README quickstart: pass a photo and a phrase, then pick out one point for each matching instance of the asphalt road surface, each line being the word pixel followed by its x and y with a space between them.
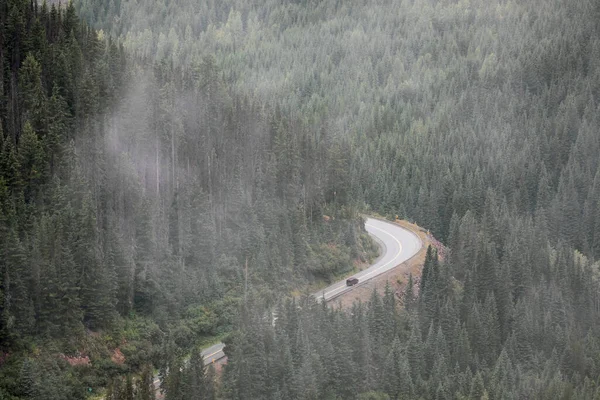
pixel 213 353
pixel 398 244
pixel 210 355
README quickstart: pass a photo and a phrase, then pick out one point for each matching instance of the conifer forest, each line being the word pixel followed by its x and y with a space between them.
pixel 175 174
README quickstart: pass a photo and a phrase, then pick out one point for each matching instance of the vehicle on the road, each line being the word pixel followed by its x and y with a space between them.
pixel 351 281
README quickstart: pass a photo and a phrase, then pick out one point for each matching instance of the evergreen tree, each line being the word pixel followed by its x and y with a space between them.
pixel 31 162
pixel 96 282
pixel 409 294
pixel 195 377
pixel 477 387
pixel 146 389
pixel 34 101
pixel 415 353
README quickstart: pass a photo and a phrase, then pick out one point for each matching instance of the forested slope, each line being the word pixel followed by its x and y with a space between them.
pixel 231 127
pixel 139 203
pixel 441 100
pixel 477 119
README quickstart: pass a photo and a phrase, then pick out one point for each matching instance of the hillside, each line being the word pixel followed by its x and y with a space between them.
pixel 140 203
pixel 165 174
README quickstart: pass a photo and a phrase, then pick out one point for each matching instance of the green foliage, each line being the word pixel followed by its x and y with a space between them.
pixel 146 194
pixel 373 396
pixel 331 260
pixel 95 239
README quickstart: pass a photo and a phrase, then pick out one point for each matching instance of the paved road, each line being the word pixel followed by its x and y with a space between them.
pixel 210 354
pixel 398 245
pixel 213 353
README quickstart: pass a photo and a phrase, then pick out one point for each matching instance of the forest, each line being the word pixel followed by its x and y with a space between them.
pixel 166 166
pixel 140 203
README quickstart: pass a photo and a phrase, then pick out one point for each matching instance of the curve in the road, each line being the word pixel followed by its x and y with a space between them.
pixel 399 245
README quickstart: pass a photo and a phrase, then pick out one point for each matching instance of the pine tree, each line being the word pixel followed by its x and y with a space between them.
pixel 18 311
pixel 175 382
pixel 174 228
pixel 144 242
pixel 96 282
pixel 58 127
pixel 486 270
pixel 449 323
pixel 10 168
pixel 39 45
pixel 477 387
pixel 409 295
pixel 31 162
pixel 195 377
pixel 414 352
pixel 29 380
pixel 503 297
pixel 127 391
pixel 60 310
pixel 391 314
pixel 211 379
pixel 426 273
pixel 430 294
pixel 503 377
pixel 33 98
pixel 146 389
pixel 429 350
pixel 391 375
pixel 376 318
pixel 70 22
pixel 491 327
pixel 463 349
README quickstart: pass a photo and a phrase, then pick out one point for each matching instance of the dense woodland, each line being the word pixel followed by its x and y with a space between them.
pixel 448 106
pixel 140 203
pixel 148 167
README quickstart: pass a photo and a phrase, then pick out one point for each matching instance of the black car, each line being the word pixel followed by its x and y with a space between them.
pixel 351 281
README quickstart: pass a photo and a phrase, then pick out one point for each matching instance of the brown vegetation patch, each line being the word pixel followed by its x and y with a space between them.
pixel 118 357
pixel 78 360
pixel 219 364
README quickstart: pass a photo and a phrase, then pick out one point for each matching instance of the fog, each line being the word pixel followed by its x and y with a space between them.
pixel 179 180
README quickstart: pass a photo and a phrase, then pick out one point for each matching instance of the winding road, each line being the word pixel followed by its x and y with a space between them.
pixel 397 245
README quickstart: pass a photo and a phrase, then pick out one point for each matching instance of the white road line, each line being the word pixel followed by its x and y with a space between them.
pixel 210 355
pixel 393 259
pixel 157 380
pixel 375 270
pixel 333 291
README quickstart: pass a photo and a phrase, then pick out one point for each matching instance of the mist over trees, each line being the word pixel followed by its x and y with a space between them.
pixel 442 100
pixel 143 200
pixel 147 167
